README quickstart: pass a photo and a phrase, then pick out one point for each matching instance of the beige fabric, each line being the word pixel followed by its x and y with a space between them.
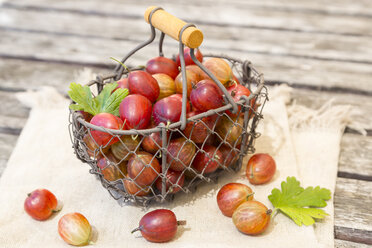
pixel 43 158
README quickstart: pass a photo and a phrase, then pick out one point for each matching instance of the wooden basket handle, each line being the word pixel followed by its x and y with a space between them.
pixel 171 25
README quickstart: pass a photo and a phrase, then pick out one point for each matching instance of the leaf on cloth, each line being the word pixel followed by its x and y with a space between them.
pixel 108 101
pixel 299 203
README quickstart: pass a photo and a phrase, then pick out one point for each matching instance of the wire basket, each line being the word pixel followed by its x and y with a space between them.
pixel 157 163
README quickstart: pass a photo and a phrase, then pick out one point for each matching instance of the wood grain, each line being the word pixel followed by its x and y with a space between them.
pixel 353 203
pixel 59 47
pixel 360 105
pixel 20 74
pixel 172 26
pixel 348 244
pixel 241 15
pixel 277 42
pixel 13 114
pixel 355 156
pixel 7 144
pixel 354 235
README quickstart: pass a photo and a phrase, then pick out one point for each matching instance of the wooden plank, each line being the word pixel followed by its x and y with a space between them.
pixel 72 49
pixel 7 144
pixel 337 7
pixel 347 244
pixel 340 7
pixel 360 105
pixel 353 203
pixel 19 75
pixel 276 42
pixel 12 113
pixel 217 13
pixel 355 156
pixel 353 235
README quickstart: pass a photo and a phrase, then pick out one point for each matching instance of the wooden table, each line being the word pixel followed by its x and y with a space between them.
pixel 321 48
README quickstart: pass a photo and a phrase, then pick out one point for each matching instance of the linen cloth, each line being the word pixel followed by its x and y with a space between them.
pixel 43 158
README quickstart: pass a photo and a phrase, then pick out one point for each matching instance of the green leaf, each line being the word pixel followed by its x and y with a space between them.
pixel 303 215
pixel 82 96
pixel 102 98
pixel 113 102
pixel 106 102
pixel 297 202
pixel 76 107
pixel 313 197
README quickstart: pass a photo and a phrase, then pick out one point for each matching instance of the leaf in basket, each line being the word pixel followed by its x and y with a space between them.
pixel 108 101
pixel 298 203
pixel 82 96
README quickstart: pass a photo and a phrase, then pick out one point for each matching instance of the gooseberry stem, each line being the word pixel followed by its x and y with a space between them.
pixel 249 195
pixel 181 222
pixel 136 229
pixel 125 67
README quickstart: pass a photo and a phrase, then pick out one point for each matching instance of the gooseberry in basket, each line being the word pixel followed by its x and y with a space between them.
pixel 159 225
pixel 200 74
pixel 87 117
pixel 142 83
pixel 162 65
pixel 133 189
pixel 206 95
pixel 40 204
pixel 230 129
pixel 180 153
pixel 235 80
pixel 191 80
pixel 111 168
pixel 187 56
pixel 179 96
pixel 207 160
pixel 237 91
pixel 174 181
pixel 166 85
pixel 251 217
pixel 123 84
pixel 211 140
pixel 153 142
pixel 143 168
pixel 260 168
pixel 168 109
pixel 220 69
pixel 135 111
pixel 92 147
pixel 123 148
pixel 109 121
pixel 200 129
pixel 75 229
pixel 229 154
pixel 231 195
